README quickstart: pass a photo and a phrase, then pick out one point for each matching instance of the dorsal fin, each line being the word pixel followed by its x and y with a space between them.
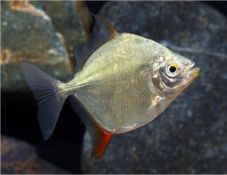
pixel 102 32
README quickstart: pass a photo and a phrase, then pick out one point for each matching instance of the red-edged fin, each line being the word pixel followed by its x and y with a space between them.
pixel 102 140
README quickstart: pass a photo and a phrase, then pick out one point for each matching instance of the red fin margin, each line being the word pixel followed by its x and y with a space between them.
pixel 102 140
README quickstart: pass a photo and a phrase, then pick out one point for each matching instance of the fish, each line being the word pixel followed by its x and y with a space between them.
pixel 123 81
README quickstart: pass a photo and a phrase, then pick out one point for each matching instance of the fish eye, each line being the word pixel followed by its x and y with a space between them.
pixel 172 70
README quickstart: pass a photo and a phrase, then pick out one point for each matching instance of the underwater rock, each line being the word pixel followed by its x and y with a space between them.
pixel 190 136
pixel 18 157
pixel 70 18
pixel 27 34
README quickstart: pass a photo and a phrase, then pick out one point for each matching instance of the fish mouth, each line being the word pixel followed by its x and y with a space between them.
pixel 190 75
pixel 193 72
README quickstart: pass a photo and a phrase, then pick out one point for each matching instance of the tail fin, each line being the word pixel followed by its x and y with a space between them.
pixel 50 100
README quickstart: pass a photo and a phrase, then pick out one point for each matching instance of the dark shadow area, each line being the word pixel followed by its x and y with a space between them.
pixel 95 6
pixel 63 149
pixel 220 6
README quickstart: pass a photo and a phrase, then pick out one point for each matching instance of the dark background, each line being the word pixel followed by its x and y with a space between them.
pixel 63 149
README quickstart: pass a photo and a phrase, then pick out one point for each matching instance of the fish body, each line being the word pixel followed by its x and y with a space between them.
pixel 116 91
pixel 125 83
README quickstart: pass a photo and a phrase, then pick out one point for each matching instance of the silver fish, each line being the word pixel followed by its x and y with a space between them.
pixel 124 82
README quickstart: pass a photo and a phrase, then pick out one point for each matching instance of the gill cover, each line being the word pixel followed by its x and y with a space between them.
pixel 171 73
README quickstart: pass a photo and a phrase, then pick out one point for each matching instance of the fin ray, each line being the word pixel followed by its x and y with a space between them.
pixel 99 137
pixel 102 32
pixel 102 141
pixel 45 91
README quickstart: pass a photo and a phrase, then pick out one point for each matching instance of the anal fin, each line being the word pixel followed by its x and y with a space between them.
pixel 100 137
pixel 102 140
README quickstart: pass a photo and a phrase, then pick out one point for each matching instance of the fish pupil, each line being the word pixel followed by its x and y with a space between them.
pixel 172 69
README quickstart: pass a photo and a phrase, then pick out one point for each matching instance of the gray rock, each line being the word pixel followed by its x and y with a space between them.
pixel 27 34
pixel 68 18
pixel 18 157
pixel 190 136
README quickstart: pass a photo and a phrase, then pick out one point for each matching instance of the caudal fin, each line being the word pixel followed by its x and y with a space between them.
pixel 50 100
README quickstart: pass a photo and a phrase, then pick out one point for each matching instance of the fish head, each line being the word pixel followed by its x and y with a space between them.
pixel 171 74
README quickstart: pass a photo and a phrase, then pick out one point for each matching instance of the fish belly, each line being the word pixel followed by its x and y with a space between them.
pixel 118 106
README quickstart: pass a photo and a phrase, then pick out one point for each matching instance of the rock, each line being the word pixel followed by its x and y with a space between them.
pixel 18 157
pixel 190 136
pixel 70 18
pixel 28 35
